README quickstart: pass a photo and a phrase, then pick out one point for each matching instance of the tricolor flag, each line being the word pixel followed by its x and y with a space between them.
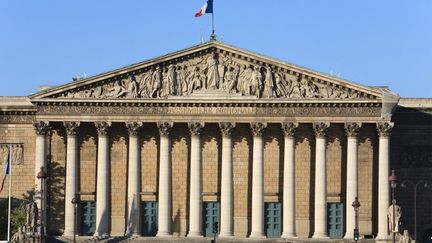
pixel 206 8
pixel 7 170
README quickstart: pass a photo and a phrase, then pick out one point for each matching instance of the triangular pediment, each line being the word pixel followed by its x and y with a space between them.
pixel 212 69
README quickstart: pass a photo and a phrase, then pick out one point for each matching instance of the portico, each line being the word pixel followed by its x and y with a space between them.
pixel 254 148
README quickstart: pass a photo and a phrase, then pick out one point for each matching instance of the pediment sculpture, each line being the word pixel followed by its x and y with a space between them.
pixel 213 71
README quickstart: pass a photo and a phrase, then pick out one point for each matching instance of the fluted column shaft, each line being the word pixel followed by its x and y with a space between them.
pixel 134 180
pixel 41 130
pixel 72 176
pixel 164 210
pixel 257 181
pixel 289 230
pixel 195 195
pixel 320 218
pixel 226 222
pixel 384 130
pixel 102 182
pixel 352 176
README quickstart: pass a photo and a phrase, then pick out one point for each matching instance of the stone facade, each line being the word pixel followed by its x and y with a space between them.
pixel 194 91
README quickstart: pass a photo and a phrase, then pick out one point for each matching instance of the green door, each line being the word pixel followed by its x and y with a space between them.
pixel 335 220
pixel 210 216
pixel 149 211
pixel 88 217
pixel 273 220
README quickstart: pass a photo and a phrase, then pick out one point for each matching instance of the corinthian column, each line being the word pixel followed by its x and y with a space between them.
pixel 226 222
pixel 352 130
pixel 72 175
pixel 195 198
pixel 257 129
pixel 320 219
pixel 102 183
pixel 384 130
pixel 164 210
pixel 41 130
pixel 134 179
pixel 289 230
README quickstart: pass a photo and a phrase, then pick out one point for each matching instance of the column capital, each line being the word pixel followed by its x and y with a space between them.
pixel 195 128
pixel 41 127
pixel 258 128
pixel 133 127
pixel 352 128
pixel 71 127
pixel 227 128
pixel 320 128
pixel 384 128
pixel 289 128
pixel 102 127
pixel 164 127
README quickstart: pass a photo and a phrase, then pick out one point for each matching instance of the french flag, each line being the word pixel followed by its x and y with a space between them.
pixel 206 8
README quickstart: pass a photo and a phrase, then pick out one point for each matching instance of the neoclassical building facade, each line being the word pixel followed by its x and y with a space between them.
pixel 213 133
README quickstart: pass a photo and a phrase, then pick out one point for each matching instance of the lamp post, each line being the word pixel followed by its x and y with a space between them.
pixel 393 184
pixel 75 203
pixel 406 184
pixel 42 175
pixel 356 205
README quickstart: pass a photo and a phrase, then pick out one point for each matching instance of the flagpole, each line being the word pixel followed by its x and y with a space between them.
pixel 10 189
pixel 213 35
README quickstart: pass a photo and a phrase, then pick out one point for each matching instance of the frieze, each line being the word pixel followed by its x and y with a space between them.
pixel 17 153
pixel 16 119
pixel 297 111
pixel 213 71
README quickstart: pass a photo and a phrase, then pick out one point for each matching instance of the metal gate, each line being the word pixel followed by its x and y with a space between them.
pixel 273 220
pixel 149 219
pixel 88 217
pixel 211 216
pixel 335 220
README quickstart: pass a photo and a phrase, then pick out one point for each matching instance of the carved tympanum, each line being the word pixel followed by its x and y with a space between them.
pixel 41 127
pixel 71 127
pixel 133 127
pixel 258 128
pixel 213 71
pixel 289 128
pixel 102 127
pixel 320 128
pixel 164 128
pixel 226 128
pixel 195 128
pixel 384 128
pixel 352 128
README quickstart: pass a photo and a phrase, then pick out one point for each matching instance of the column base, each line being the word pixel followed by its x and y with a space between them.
pixel 289 235
pixel 382 237
pixel 320 236
pixel 69 233
pixel 257 235
pixel 195 234
pixel 163 234
pixel 226 235
pixel 99 234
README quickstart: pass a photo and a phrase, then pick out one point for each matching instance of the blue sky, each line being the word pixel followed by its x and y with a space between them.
pixel 378 43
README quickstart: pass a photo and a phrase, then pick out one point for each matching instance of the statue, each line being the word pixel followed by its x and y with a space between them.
pixel 132 89
pixel 195 80
pixel 244 80
pixel 405 238
pixel 231 79
pixel 213 73
pixel 397 214
pixel 116 91
pixel 282 86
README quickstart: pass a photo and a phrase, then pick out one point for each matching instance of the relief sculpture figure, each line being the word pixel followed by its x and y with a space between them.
pixel 231 79
pixel 213 73
pixel 157 80
pixel 116 91
pixel 281 85
pixel 172 80
pixel 195 80
pixel 256 82
pixel 243 84
pixel 268 84
pixel 132 88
